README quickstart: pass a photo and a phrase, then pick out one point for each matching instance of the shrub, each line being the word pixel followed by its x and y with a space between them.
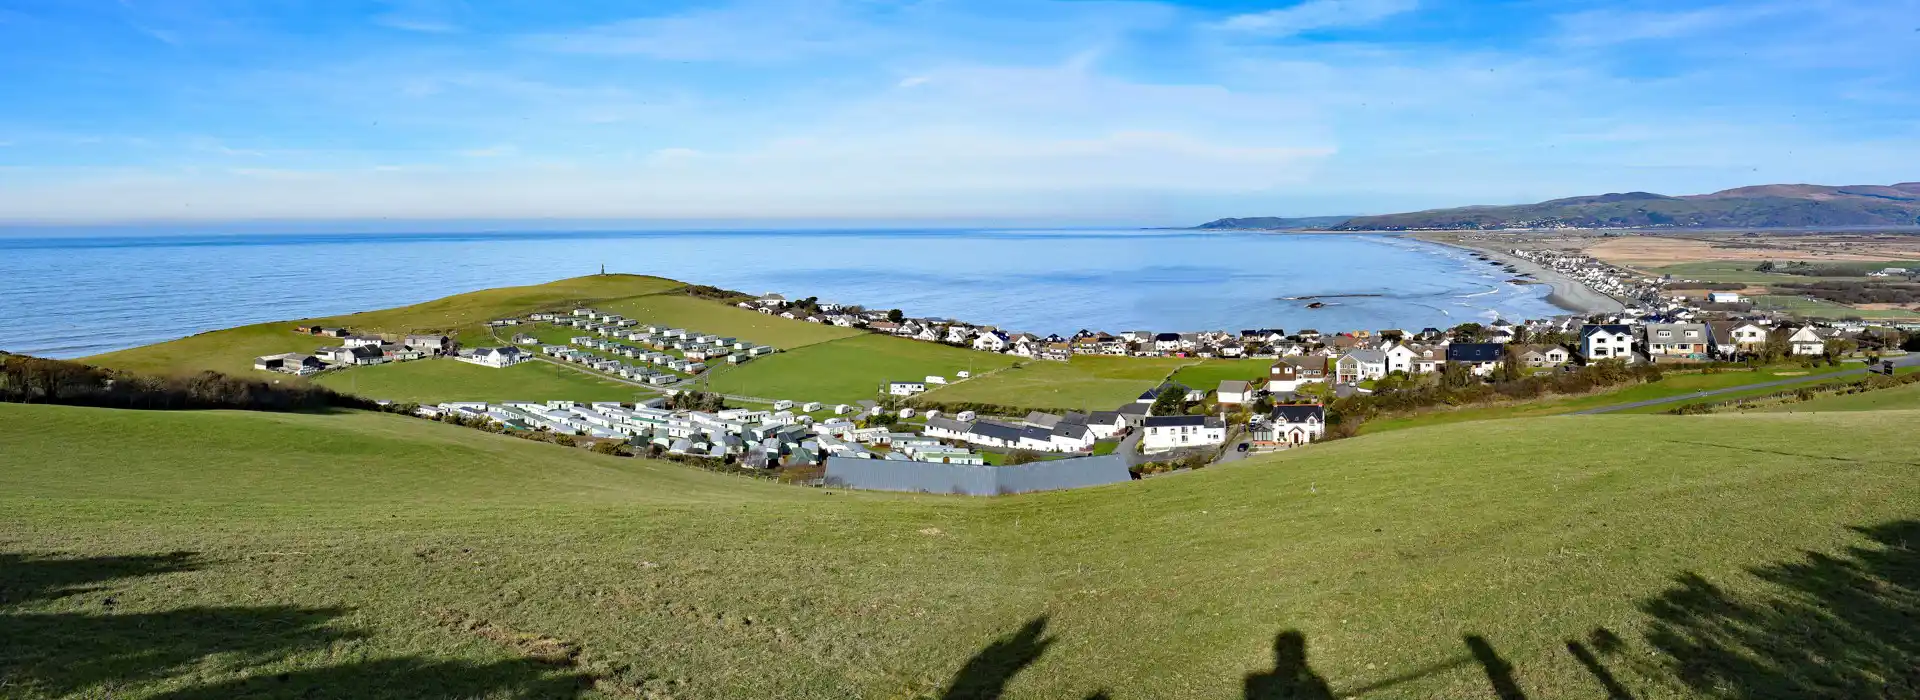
pixel 1021 457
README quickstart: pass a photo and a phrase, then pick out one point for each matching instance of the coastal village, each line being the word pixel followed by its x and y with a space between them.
pixel 1288 408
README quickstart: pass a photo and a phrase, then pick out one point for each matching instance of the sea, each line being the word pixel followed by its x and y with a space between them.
pixel 72 295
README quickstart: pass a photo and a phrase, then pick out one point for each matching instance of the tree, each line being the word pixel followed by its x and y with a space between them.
pixel 1469 333
pixel 896 315
pixel 1170 402
pixel 1764 267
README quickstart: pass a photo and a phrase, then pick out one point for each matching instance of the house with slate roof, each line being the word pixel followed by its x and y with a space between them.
pixel 1481 358
pixel 1289 426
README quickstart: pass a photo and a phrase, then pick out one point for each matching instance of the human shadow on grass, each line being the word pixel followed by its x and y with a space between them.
pixel 986 675
pixel 90 645
pixel 1819 626
pixel 1291 677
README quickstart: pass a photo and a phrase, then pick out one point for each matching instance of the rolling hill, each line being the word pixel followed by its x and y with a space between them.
pixel 230 554
pixel 1761 206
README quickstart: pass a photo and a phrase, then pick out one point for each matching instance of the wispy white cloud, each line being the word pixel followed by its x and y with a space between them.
pixel 1617 26
pixel 422 16
pixel 417 24
pixel 496 151
pixel 758 31
pixel 1318 14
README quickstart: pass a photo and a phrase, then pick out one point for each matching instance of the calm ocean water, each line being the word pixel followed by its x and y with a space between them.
pixel 70 296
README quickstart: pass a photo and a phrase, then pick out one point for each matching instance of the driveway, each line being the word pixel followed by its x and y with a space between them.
pixel 1909 360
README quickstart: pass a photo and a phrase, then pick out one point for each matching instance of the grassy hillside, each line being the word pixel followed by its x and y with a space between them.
pixel 232 350
pixel 1898 398
pixel 1086 383
pixel 1675 384
pixel 434 381
pixel 720 319
pixel 850 369
pixel 203 555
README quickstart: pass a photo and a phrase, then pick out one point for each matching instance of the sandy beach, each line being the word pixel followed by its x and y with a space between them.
pixel 1568 293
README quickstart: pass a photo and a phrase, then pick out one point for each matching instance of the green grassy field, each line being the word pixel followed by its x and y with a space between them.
pixel 1207 374
pixel 720 319
pixel 849 369
pixel 464 315
pixel 1819 308
pixel 1740 271
pixel 1898 398
pixel 1088 382
pixel 435 381
pixel 1671 385
pixel 220 554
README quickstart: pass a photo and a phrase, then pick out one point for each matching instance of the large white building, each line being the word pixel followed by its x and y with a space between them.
pixel 494 357
pixel 1163 433
pixel 1606 342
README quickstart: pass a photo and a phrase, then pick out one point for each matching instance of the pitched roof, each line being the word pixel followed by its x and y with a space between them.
pixel 1045 420
pixel 1000 431
pixel 949 424
pixel 1180 421
pixel 1365 355
pixel 1475 352
pixel 1070 430
pixel 1233 386
pixel 1300 413
pixel 1103 417
pixel 1613 328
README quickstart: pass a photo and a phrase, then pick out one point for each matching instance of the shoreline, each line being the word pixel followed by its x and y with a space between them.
pixel 1568 293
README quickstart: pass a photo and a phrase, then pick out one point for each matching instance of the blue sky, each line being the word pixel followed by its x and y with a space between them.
pixel 1079 112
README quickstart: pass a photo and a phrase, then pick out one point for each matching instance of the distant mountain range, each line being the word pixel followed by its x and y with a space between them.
pixel 1760 206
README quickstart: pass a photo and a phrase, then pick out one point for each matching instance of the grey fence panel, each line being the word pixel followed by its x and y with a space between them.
pixel 972 480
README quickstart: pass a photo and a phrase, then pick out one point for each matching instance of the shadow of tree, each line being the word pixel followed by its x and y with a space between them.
pixel 100 651
pixel 25 579
pixel 1824 626
pixel 985 676
pixel 1499 671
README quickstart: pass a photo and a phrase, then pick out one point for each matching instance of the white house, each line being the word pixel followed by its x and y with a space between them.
pixel 1401 358
pixel 990 341
pixel 1234 392
pixel 1806 341
pixel 1291 425
pixel 1606 342
pixel 1360 365
pixel 1677 340
pixel 1173 432
pixel 1723 297
pixel 494 357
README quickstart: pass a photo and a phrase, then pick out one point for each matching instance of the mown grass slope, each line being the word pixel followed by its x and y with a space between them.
pixel 708 316
pixel 1087 382
pixel 439 380
pixel 1675 384
pixel 1897 398
pixel 358 555
pixel 850 369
